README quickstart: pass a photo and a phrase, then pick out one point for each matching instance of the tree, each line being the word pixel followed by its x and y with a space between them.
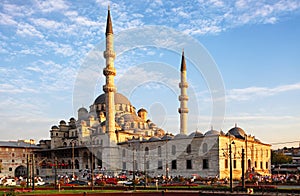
pixel 280 158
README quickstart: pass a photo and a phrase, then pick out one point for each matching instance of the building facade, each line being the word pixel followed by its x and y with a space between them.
pixel 113 137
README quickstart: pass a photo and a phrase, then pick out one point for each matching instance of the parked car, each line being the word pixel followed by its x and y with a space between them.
pixel 76 183
pixel 113 181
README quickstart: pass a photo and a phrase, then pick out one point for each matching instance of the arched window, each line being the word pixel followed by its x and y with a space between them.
pixel 204 148
pixel 159 151
pixel 69 164
pixel 76 164
pixel 123 153
pixel 189 149
pixel 173 149
pixel 146 151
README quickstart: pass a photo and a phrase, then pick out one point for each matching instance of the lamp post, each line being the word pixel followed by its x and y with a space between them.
pixel 27 164
pixel 230 166
pixel 73 160
pixel 243 168
pixel 92 164
pixel 145 170
pixel 133 163
pixel 55 173
pixel 167 167
pixel 32 180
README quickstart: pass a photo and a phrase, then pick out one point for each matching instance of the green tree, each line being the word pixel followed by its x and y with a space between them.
pixel 280 158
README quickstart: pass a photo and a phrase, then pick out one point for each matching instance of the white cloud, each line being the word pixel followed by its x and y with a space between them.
pixel 25 29
pixel 255 92
pixel 45 23
pixel 7 20
pixel 51 5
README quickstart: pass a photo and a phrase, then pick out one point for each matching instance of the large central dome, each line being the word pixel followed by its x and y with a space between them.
pixel 119 99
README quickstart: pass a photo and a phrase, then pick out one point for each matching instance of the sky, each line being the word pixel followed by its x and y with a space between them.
pixel 243 63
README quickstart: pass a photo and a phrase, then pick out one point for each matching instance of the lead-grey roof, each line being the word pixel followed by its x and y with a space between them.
pixel 17 144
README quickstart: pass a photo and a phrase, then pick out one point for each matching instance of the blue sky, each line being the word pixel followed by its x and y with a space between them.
pixel 255 46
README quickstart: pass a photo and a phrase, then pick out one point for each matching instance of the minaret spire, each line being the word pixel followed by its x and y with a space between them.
pixel 183 65
pixel 109 88
pixel 109 29
pixel 183 98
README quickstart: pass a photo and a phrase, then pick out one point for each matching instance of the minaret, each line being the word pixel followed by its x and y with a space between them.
pixel 183 98
pixel 109 88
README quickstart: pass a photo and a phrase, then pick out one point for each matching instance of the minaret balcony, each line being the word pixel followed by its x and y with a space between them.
pixel 183 85
pixel 109 88
pixel 109 54
pixel 183 98
pixel 183 110
pixel 109 71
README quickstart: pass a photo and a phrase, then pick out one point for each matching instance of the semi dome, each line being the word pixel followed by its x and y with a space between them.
pixel 119 99
pixel 154 138
pixel 131 118
pixel 167 137
pixel 237 132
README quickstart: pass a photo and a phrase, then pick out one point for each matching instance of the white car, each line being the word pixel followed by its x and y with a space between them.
pixel 9 182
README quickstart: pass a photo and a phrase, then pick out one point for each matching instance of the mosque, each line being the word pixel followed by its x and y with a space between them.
pixel 113 137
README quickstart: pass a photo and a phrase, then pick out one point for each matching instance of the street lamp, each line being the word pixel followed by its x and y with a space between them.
pixel 230 166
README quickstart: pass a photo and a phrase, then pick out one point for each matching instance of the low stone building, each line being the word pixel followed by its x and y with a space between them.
pixel 16 157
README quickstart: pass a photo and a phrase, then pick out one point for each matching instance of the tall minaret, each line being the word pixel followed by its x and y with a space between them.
pixel 183 98
pixel 109 88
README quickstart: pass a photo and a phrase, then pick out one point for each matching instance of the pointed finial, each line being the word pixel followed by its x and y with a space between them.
pixel 109 29
pixel 235 124
pixel 183 65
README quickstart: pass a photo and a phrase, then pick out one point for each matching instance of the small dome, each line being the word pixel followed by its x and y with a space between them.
pixel 83 109
pixel 237 132
pixel 180 136
pixel 212 132
pixel 54 127
pixel 154 138
pixel 196 134
pixel 119 99
pixel 72 119
pixel 62 122
pixel 167 137
pixel 152 125
pixel 142 110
